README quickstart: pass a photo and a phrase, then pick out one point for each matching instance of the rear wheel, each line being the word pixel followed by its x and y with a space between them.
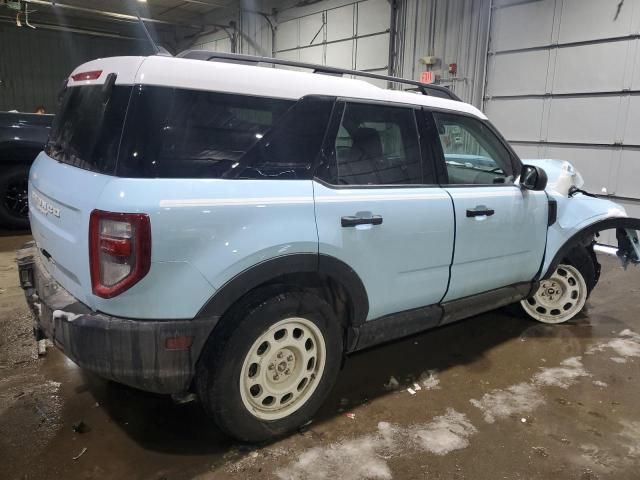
pixel 14 205
pixel 271 364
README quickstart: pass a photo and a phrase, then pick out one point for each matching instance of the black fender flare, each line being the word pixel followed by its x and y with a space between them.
pixel 263 272
pixel 577 238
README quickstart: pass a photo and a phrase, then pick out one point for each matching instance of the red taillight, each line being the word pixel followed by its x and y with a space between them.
pixel 91 75
pixel 119 251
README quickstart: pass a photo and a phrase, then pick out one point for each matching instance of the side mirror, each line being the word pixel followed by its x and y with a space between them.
pixel 533 178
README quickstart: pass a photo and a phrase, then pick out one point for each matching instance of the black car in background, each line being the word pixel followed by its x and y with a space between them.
pixel 22 137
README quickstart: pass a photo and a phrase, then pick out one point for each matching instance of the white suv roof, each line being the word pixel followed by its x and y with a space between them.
pixel 251 80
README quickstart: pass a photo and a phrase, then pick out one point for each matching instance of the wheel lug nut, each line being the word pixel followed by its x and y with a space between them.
pixel 287 371
pixel 280 355
pixel 271 366
pixel 290 358
pixel 276 376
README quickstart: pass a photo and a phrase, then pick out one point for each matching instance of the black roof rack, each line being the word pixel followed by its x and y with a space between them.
pixel 425 89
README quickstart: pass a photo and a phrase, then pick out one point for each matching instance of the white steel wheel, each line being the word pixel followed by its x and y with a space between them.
pixel 282 368
pixel 559 298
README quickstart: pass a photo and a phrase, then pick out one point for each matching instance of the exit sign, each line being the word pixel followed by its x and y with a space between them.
pixel 427 77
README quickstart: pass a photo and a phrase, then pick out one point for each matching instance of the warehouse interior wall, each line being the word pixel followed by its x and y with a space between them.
pixel 358 35
pixel 452 31
pixel 34 63
pixel 563 81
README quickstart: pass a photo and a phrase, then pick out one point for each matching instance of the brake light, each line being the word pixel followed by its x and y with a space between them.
pixel 91 75
pixel 119 251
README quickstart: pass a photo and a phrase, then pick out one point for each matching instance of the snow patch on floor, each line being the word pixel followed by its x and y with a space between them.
pixel 599 383
pixel 526 397
pixel 366 456
pixel 520 398
pixel 631 437
pixel 445 433
pixel 564 376
pixel 349 460
pixel 429 380
pixel 628 345
pixel 618 359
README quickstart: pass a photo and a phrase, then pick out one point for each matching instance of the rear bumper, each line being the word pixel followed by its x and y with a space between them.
pixel 132 352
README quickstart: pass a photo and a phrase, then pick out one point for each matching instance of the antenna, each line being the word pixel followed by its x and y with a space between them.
pixel 156 49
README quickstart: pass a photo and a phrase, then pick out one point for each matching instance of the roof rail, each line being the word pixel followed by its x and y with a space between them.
pixel 423 88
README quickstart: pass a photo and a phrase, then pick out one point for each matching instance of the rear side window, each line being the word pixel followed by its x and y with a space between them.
pixel 289 150
pixel 174 133
pixel 87 130
pixel 376 145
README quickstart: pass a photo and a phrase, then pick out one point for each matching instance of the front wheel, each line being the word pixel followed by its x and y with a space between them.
pixel 271 365
pixel 559 298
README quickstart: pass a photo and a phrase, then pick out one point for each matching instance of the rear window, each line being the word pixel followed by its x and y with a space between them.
pixel 87 130
pixel 176 133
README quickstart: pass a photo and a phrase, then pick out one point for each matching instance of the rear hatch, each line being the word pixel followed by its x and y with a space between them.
pixel 66 180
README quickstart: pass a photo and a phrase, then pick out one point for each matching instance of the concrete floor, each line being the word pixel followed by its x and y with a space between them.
pixel 500 397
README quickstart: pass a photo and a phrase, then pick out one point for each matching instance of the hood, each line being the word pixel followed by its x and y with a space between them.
pixel 562 174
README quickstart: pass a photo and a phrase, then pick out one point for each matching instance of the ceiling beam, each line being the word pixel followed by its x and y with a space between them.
pixel 116 16
pixel 208 2
pixel 67 28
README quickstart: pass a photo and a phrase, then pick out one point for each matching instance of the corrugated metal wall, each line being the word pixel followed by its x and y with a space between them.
pixel 347 34
pixel 256 37
pixel 356 35
pixel 564 82
pixel 454 31
pixel 34 63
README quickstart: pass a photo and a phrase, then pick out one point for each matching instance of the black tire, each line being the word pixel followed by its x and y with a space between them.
pixel 585 260
pixel 218 374
pixel 14 207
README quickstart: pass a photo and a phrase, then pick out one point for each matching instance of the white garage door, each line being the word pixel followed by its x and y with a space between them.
pixel 354 36
pixel 563 81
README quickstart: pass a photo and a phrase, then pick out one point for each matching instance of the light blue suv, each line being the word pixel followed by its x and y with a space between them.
pixel 208 224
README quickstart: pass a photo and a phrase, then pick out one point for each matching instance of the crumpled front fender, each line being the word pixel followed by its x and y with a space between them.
pixel 580 218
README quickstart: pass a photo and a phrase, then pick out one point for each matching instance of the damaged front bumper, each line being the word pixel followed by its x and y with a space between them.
pixel 156 356
pixel 628 246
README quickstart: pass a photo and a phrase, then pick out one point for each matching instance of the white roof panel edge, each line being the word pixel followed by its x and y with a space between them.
pixel 253 80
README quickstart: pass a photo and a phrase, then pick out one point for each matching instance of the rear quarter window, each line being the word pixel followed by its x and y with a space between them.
pixel 175 133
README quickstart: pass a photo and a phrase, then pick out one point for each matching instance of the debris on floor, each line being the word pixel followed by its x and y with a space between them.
pixel 42 348
pixel 80 427
pixel 82 452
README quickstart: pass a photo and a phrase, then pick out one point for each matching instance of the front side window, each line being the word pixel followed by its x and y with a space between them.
pixel 376 145
pixel 472 152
